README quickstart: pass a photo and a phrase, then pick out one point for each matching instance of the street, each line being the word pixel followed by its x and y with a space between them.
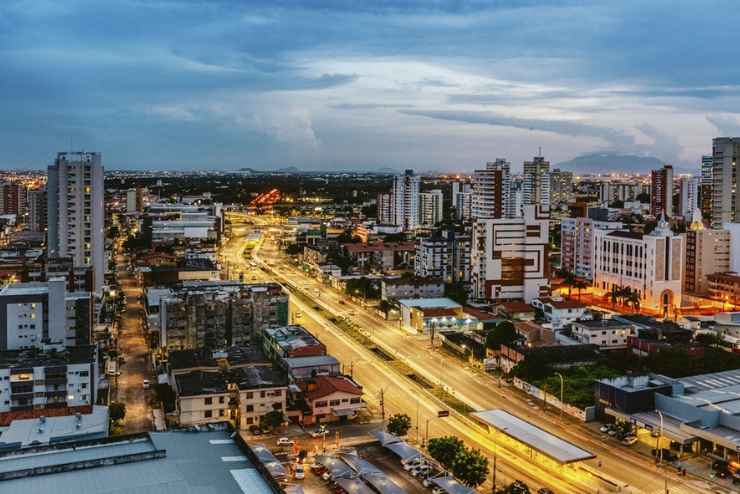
pixel 132 346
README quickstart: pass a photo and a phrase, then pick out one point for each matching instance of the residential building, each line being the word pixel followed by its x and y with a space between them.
pixel 734 229
pixel 290 341
pixel 76 216
pixel 462 200
pixel 561 186
pixel 706 184
pixel 432 257
pixel 385 209
pixel 724 287
pixel 576 243
pixel 707 252
pixel 688 196
pixel 382 255
pixel 561 313
pixel 491 190
pixel 430 208
pixel 651 265
pixel 135 200
pixel 424 315
pixel 332 398
pixel 304 368
pixel 34 384
pixel 42 431
pixel 509 258
pixel 398 288
pixel 79 278
pixel 405 200
pixel 536 186
pixel 13 200
pixel 217 315
pixel 607 334
pixel 661 197
pixel 37 207
pixel 725 196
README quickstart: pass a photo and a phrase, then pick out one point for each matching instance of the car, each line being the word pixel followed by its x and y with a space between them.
pixel 321 431
pixel 545 490
pixel 605 428
pixel 146 384
pixel 612 432
pixel 629 440
pixel 437 490
pixel 299 473
pixel 255 430
pixel 284 441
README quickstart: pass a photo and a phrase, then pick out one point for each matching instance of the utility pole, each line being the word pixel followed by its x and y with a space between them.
pixel 382 406
pixel 417 421
pixel 493 488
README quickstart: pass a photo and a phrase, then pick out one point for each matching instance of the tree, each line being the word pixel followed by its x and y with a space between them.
pixel 399 424
pixel 471 467
pixel 580 285
pixel 117 411
pixel 569 280
pixel 503 334
pixel 293 249
pixel 445 450
pixel 633 299
pixel 456 292
pixel 516 487
pixel 271 420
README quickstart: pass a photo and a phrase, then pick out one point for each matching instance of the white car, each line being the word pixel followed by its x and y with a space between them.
pixel 299 473
pixel 629 440
pixel 320 432
pixel 284 441
pixel 146 384
pixel 604 428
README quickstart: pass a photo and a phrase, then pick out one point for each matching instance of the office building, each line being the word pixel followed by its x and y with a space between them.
pixel 651 265
pixel 491 190
pixel 705 192
pixel 385 209
pixel 688 196
pixel 37 204
pixel 725 196
pixel 576 243
pixel 661 197
pixel 75 211
pixel 405 200
pixel 509 258
pixel 561 186
pixel 536 187
pixel 707 252
pixel 430 208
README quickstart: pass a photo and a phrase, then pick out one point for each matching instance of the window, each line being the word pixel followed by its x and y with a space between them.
pixel 334 403
pixel 221 399
pixel 84 373
pixel 320 404
pixel 250 408
pixel 262 394
pixel 209 401
pixel 208 414
pixel 355 401
pixel 249 395
pixel 221 412
pixel 250 421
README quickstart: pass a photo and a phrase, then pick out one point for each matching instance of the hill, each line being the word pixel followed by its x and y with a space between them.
pixel 611 162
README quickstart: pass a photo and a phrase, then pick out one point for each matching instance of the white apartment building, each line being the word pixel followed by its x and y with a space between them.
pixel 491 190
pixel 576 243
pixel 430 207
pixel 34 315
pixel 652 265
pixel 405 200
pixel 536 183
pixel 509 258
pixel 607 334
pixel 432 258
pixel 725 193
pixel 688 196
pixel 462 200
pixel 75 211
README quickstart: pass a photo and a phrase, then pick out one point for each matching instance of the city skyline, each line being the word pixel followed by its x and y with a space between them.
pixel 433 86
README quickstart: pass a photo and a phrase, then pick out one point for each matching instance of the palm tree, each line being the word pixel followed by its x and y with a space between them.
pixel 580 285
pixel 615 294
pixel 634 300
pixel 569 280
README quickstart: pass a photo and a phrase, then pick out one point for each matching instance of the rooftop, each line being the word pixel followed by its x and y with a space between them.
pixel 602 324
pixel 626 234
pixel 549 445
pixel 380 246
pixel 165 462
pixel 298 362
pixel 326 385
pixel 22 433
pixel 37 358
pixel 430 303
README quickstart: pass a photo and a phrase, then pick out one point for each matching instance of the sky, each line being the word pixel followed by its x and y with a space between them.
pixel 362 84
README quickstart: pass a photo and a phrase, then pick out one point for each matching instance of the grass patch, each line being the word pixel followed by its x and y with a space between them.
pixel 451 401
pixel 578 389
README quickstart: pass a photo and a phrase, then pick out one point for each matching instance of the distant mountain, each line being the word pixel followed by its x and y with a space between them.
pixel 610 163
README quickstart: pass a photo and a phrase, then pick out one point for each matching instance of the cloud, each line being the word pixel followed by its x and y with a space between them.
pixel 727 125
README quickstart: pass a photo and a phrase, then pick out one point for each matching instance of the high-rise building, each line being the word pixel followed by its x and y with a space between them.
pixel 445 254
pixel 725 196
pixel 661 198
pixel 405 200
pixel 561 186
pixel 491 189
pixel 430 207
pixel 705 191
pixel 536 186
pixel 13 200
pixel 75 211
pixel 576 243
pixel 462 200
pixel 509 258
pixel 649 265
pixel 688 196
pixel 135 200
pixel 385 209
pixel 707 252
pixel 37 204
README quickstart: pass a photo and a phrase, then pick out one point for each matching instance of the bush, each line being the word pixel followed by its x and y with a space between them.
pixel 399 424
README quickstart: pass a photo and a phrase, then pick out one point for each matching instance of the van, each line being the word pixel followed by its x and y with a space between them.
pixel 147 385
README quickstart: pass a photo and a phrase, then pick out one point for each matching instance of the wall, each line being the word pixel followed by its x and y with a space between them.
pixel 584 414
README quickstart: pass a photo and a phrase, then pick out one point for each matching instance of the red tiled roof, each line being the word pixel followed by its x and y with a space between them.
pixel 326 385
pixel 481 315
pixel 515 306
pixel 567 304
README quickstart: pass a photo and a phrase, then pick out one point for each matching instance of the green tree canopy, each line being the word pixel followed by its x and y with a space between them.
pixel 117 411
pixel 470 467
pixel 503 334
pixel 516 487
pixel 399 424
pixel 271 420
pixel 445 449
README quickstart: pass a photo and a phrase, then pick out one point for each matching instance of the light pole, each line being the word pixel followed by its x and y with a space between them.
pixel 562 389
pixel 659 452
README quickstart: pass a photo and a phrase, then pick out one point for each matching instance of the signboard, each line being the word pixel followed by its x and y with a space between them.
pixel 443 413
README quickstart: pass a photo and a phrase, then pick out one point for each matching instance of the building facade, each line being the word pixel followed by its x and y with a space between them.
pixel 705 192
pixel 75 211
pixel 37 204
pixel 725 194
pixel 536 187
pixel 707 252
pixel 431 208
pixel 509 258
pixel 661 197
pixel 576 243
pixel 561 186
pixel 405 200
pixel 385 209
pixel 491 190
pixel 688 196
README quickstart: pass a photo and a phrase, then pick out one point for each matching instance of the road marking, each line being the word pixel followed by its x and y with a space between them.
pixel 221 441
pixel 227 459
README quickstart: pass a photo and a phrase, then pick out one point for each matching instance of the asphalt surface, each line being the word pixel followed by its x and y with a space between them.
pixel 133 347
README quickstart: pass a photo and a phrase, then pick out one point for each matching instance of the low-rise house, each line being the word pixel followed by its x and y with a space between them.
pixel 303 368
pixel 516 310
pixel 383 256
pixel 607 334
pixel 332 398
pixel 561 313
pixel 291 341
pixel 432 314
pixel 534 334
pixel 397 288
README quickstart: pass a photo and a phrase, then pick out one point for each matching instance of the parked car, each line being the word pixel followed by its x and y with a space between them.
pixel 319 432
pixel 629 440
pixel 284 441
pixel 299 473
pixel 146 384
pixel 667 454
pixel 605 428
pixel 255 430
pixel 545 490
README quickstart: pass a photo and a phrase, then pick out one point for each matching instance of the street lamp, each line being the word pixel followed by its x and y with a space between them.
pixel 562 388
pixel 659 452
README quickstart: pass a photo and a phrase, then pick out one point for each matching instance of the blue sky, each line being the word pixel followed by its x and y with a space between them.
pixel 330 84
